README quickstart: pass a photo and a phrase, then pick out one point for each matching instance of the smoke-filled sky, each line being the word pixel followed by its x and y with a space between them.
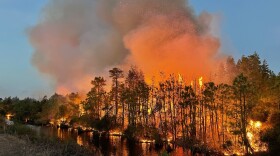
pixel 56 46
pixel 76 40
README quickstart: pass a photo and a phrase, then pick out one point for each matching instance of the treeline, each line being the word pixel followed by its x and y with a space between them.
pixel 230 116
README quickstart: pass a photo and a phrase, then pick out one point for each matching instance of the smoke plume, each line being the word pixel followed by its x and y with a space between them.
pixel 77 40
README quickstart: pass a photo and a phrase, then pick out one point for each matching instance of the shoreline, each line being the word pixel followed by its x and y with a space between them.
pixel 20 140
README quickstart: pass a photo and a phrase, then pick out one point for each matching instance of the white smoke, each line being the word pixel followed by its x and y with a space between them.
pixel 77 40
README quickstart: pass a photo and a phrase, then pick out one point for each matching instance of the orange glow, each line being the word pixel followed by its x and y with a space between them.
pixel 149 111
pixel 146 141
pixel 200 82
pixel 9 116
pixel 253 135
pixel 161 39
pixel 249 135
pixel 82 85
pixel 258 124
pixel 80 140
pixel 116 133
pixel 189 54
pixel 62 90
pixel 170 40
pixel 180 78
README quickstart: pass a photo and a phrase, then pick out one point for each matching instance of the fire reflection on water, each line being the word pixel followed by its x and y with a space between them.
pixel 63 134
pixel 80 140
pixel 114 145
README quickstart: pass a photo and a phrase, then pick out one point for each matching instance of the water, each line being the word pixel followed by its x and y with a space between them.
pixel 115 145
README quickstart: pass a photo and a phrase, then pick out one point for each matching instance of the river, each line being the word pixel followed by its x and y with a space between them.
pixel 114 146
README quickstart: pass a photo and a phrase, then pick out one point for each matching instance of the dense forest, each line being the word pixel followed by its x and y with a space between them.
pixel 239 113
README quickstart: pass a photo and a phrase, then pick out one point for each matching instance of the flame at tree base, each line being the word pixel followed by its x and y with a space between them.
pixel 253 135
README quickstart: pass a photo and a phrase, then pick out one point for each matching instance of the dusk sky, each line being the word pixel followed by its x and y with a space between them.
pixel 244 27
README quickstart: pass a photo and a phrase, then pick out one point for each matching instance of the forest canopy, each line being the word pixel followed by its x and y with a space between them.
pixel 238 113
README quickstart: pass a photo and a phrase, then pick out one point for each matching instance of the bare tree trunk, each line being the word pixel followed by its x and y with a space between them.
pixel 123 109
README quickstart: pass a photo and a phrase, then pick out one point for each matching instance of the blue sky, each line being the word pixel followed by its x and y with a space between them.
pixel 17 76
pixel 245 27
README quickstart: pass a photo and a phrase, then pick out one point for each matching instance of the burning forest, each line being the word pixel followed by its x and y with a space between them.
pixel 152 72
pixel 201 116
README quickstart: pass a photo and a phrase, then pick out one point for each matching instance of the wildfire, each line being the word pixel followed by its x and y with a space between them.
pixel 146 141
pixel 256 124
pixel 61 121
pixel 253 135
pixel 250 135
pixel 115 133
pixel 51 122
pixel 180 78
pixel 80 140
pixel 149 111
pixel 9 116
pixel 200 82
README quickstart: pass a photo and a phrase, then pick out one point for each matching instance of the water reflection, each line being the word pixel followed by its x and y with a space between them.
pixel 112 146
pixel 80 140
pixel 64 134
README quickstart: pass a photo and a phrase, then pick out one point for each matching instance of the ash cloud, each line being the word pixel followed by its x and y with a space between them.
pixel 76 40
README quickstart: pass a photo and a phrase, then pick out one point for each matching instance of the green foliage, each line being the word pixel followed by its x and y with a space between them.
pixel 26 109
pixel 20 130
pixel 42 144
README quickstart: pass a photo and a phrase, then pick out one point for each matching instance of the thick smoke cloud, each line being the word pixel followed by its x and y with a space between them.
pixel 78 39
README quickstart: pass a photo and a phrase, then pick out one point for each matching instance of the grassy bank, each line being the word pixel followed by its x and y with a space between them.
pixel 21 140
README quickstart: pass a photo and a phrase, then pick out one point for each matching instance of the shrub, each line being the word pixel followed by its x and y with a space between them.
pixel 21 130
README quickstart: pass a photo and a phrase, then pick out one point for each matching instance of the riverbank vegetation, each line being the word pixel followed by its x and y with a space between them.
pixel 237 113
pixel 19 139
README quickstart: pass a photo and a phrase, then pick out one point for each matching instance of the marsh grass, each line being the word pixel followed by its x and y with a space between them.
pixel 21 140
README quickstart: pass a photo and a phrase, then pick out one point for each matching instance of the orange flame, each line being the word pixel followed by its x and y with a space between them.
pixel 200 82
